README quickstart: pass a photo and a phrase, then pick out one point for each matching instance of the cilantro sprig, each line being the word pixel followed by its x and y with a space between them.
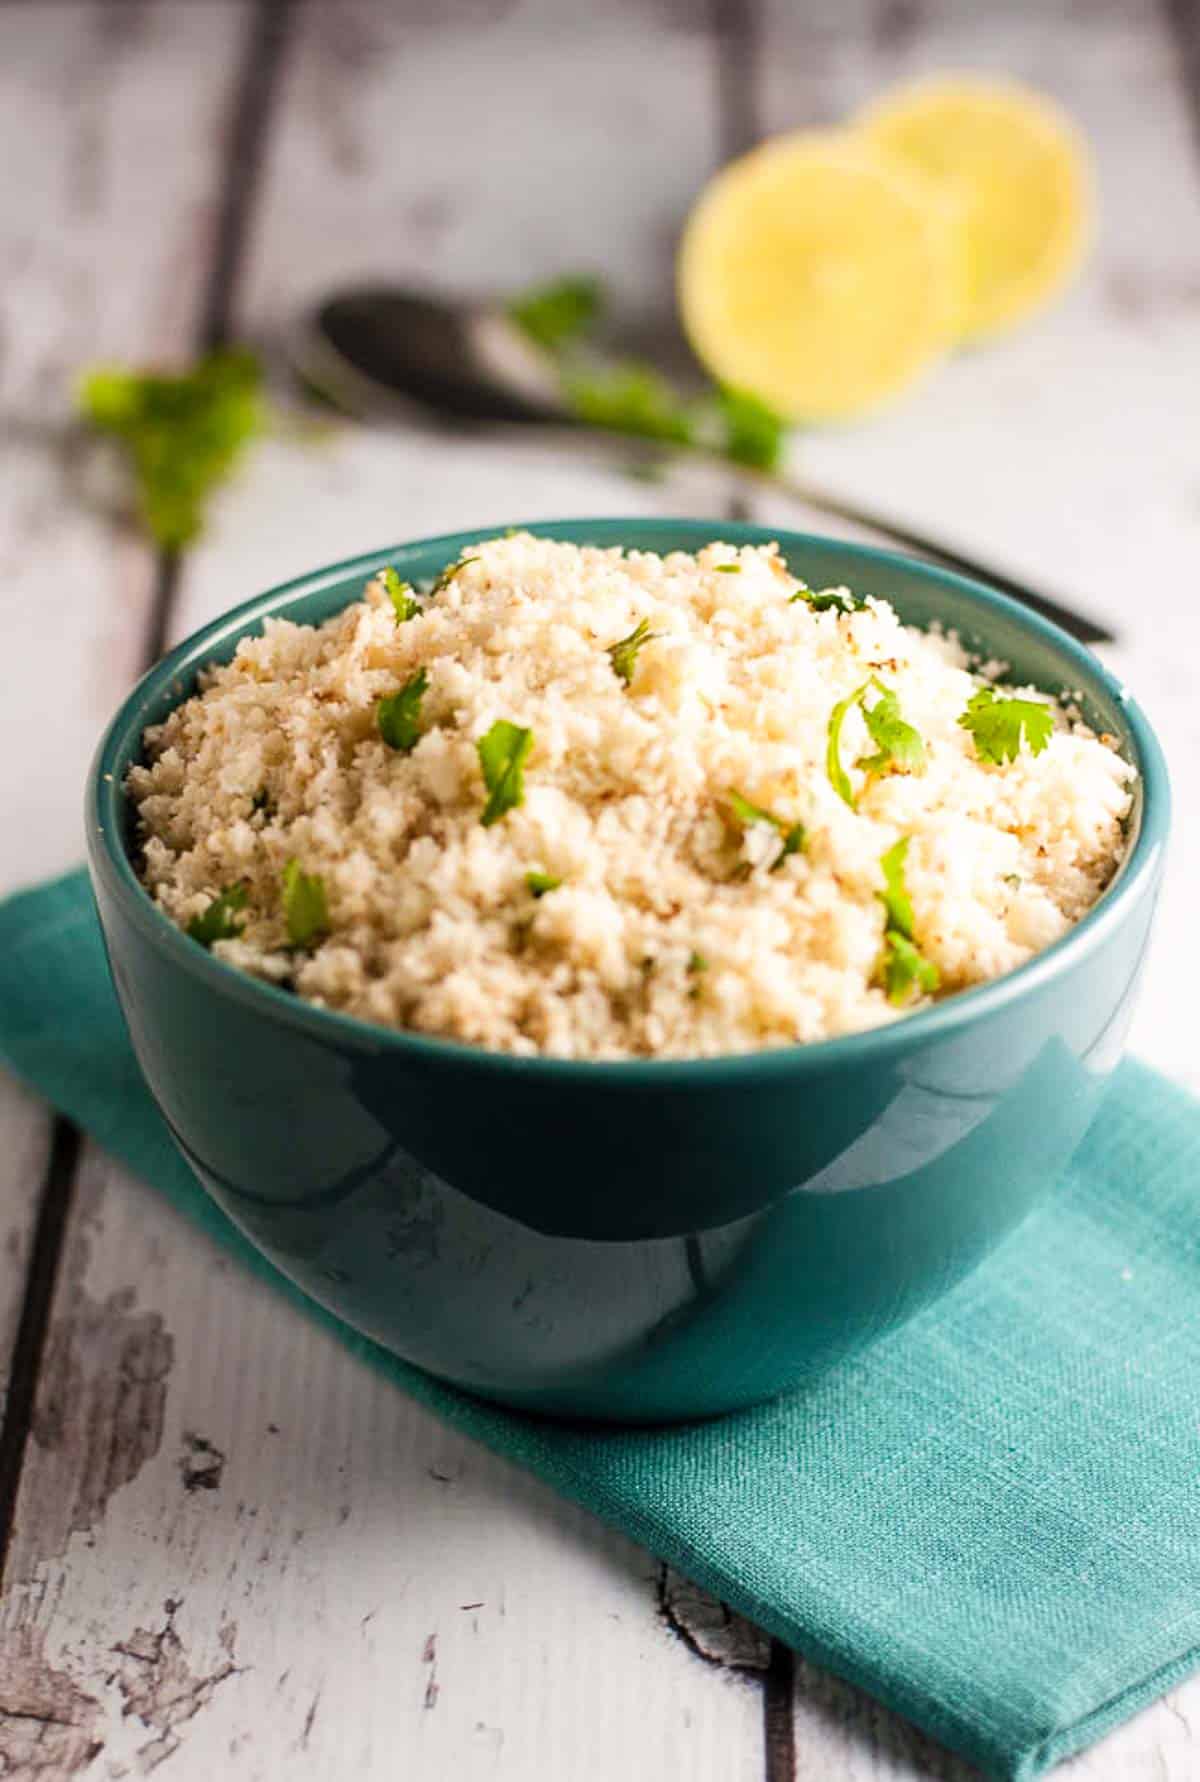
pixel 399 715
pixel 630 397
pixel 903 968
pixel 305 905
pixel 624 654
pixel 792 835
pixel 898 744
pixel 400 593
pixel 502 756
pixel 1000 726
pixel 219 921
pixel 633 397
pixel 182 433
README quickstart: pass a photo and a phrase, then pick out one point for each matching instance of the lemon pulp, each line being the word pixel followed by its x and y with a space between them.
pixel 820 274
pixel 1016 172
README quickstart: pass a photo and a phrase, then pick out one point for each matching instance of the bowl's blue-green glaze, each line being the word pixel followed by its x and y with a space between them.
pixel 631 1240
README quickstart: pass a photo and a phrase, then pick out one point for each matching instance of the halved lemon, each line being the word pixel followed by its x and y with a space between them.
pixel 1017 172
pixel 819 274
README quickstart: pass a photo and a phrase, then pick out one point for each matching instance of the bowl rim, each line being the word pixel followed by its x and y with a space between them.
pixel 110 861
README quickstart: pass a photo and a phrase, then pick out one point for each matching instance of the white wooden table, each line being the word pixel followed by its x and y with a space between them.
pixel 230 1550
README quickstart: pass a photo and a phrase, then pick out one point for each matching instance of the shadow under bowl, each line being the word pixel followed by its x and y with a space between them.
pixel 647 1240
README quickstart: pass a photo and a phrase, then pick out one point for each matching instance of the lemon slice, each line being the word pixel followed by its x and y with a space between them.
pixel 1015 169
pixel 819 275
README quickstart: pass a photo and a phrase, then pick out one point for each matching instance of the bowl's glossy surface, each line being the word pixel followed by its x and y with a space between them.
pixel 632 1240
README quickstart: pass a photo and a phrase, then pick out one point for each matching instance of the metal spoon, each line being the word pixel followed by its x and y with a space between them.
pixel 373 349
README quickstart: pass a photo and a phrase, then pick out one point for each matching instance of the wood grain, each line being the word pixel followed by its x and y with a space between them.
pixel 81 100
pixel 23 1158
pixel 196 1445
pixel 1111 523
pixel 378 1585
pixel 107 119
pixel 237 1549
pixel 106 213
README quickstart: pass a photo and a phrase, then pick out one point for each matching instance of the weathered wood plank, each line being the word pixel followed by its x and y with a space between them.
pixel 106 128
pixel 87 130
pixel 24 1154
pixel 487 147
pixel 379 1585
pixel 237 1546
pixel 197 1444
pixel 1023 450
pixel 106 208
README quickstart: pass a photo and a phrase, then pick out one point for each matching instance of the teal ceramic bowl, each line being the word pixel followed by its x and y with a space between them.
pixel 648 1240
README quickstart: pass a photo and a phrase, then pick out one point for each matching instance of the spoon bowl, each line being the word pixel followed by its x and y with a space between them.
pixel 457 357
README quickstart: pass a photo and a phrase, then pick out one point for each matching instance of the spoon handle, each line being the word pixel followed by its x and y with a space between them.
pixel 1086 630
pixel 904 537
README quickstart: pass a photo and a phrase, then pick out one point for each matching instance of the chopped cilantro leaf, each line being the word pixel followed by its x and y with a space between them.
pixel 399 715
pixel 181 432
pixel 624 654
pixel 218 922
pixel 401 596
pixel 502 755
pixel 999 726
pixel 898 744
pixel 905 966
pixel 305 907
pixel 792 835
pixel 555 315
pixel 838 600
pixel 902 965
pixel 448 574
pixel 747 813
pixel 541 882
pixel 894 897
pixel 728 568
pixel 697 962
pixel 839 779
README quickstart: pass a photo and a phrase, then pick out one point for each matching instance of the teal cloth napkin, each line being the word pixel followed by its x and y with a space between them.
pixel 991 1520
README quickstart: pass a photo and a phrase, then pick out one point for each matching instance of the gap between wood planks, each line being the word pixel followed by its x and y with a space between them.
pixel 267 30
pixel 1183 24
pixel 736 36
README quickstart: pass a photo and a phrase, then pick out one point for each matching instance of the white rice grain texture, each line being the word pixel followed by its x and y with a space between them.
pixel 676 930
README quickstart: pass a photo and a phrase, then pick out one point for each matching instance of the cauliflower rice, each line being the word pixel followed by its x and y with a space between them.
pixel 664 917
